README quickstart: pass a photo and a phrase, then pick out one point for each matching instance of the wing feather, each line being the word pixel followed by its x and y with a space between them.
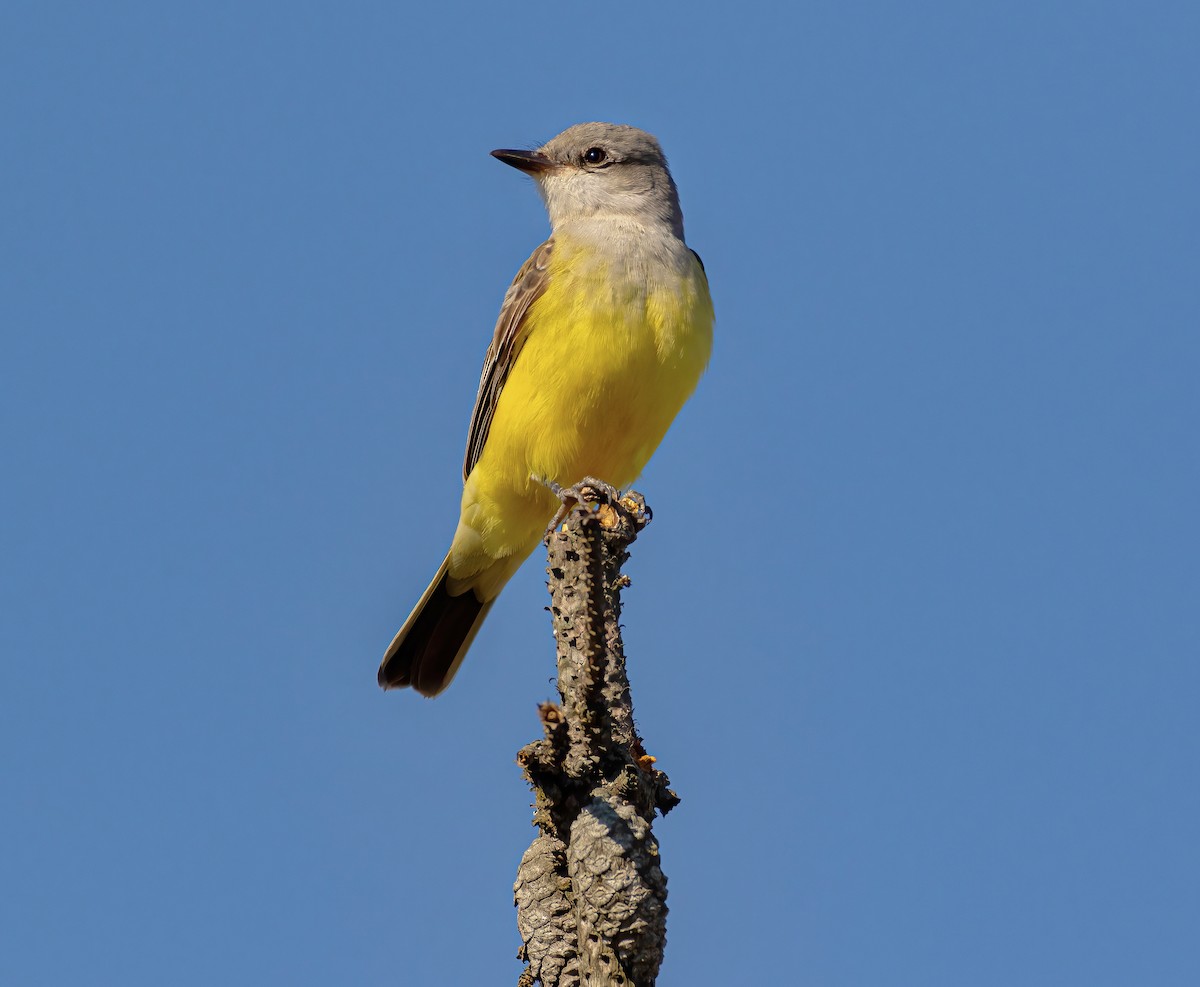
pixel 509 337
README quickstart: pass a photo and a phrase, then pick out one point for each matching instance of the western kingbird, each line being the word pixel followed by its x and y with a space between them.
pixel 602 337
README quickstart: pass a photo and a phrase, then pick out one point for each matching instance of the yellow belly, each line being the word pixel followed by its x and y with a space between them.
pixel 607 364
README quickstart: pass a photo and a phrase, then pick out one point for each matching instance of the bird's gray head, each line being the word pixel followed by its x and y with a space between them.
pixel 603 171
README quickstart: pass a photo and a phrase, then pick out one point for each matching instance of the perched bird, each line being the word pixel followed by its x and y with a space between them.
pixel 602 337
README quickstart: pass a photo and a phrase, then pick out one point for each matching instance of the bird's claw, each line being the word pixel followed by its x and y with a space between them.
pixel 587 491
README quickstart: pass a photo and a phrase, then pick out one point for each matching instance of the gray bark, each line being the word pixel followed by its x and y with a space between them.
pixel 590 894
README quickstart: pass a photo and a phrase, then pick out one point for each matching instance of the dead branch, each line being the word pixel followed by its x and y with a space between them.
pixel 590 894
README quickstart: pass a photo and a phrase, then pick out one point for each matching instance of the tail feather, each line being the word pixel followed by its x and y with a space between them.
pixel 427 650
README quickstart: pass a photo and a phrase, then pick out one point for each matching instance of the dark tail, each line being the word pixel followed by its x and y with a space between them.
pixel 427 650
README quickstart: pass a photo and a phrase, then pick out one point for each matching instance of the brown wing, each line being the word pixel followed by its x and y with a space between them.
pixel 509 337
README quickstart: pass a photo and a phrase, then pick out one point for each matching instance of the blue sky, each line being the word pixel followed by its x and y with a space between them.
pixel 914 631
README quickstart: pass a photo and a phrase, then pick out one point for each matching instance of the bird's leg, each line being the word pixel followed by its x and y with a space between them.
pixel 554 488
pixel 589 491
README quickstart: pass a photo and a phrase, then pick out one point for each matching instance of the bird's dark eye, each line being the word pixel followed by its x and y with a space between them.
pixel 595 155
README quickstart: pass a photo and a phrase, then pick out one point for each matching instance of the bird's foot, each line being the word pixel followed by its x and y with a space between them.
pixel 589 491
pixel 637 507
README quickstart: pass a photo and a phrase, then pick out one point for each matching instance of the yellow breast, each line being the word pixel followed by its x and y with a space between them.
pixel 613 350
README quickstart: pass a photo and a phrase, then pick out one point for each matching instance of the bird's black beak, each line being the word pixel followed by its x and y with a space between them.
pixel 530 161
